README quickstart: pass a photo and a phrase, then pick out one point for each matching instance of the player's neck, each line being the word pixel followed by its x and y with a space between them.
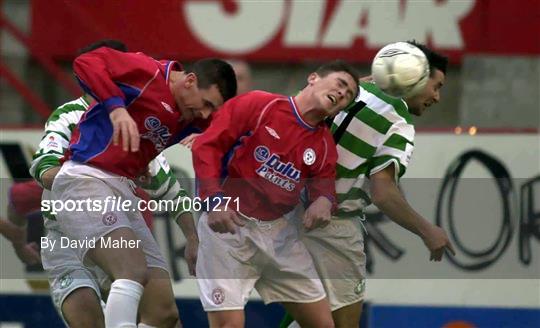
pixel 175 77
pixel 310 113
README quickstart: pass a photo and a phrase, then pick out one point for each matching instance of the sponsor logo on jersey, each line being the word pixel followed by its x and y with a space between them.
pixel 167 107
pixel 261 154
pixel 218 296
pixel 284 175
pixel 272 132
pixel 157 133
pixel 309 156
pixel 52 143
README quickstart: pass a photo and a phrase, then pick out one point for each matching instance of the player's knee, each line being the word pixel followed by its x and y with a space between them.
pixel 82 309
pixel 227 325
pixel 169 317
pixel 137 273
pixel 319 321
pixel 225 319
pixel 325 322
pixel 348 316
pixel 161 314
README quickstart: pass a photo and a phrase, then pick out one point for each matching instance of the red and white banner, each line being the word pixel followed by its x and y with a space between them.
pixel 288 31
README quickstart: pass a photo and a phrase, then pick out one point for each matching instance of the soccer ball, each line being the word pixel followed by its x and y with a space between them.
pixel 400 70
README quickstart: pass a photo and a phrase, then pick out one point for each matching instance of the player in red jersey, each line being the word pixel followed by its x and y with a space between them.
pixel 267 148
pixel 143 106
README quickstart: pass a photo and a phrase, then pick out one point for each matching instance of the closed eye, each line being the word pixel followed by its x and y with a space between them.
pixel 343 84
pixel 209 104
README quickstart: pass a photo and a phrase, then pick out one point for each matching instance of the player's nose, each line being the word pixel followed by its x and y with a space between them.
pixel 436 97
pixel 204 113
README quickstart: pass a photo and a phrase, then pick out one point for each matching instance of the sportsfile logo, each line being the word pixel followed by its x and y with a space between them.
pixel 157 133
pixel 284 175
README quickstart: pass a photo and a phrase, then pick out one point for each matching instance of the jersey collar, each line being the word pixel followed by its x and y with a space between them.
pixel 299 116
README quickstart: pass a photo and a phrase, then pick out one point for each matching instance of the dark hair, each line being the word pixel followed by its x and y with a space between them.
pixel 338 66
pixel 109 43
pixel 215 71
pixel 435 59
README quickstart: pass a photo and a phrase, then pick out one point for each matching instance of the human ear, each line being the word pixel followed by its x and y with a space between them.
pixel 190 80
pixel 312 78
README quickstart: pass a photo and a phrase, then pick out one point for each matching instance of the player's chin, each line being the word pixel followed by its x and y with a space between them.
pixel 418 111
pixel 333 111
pixel 191 115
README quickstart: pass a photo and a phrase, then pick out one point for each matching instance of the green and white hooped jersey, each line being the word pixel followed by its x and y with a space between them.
pixel 380 134
pixel 163 183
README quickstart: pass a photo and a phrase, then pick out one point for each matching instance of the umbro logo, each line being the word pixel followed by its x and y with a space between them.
pixel 392 53
pixel 272 132
pixel 167 107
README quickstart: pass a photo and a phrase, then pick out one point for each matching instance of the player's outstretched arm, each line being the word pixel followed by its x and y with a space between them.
pixel 386 195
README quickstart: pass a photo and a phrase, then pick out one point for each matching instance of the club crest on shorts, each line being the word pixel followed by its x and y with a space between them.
pixel 109 219
pixel 309 156
pixel 66 280
pixel 218 296
pixel 361 287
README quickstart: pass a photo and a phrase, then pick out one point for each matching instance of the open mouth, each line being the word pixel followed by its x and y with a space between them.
pixel 333 99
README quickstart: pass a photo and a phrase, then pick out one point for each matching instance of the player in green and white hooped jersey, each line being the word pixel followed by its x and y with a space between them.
pixel 377 144
pixel 159 308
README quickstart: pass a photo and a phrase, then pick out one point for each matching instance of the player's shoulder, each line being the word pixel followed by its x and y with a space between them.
pixel 258 101
pixel 261 95
pixel 74 108
pixel 395 110
pixel 77 104
pixel 325 138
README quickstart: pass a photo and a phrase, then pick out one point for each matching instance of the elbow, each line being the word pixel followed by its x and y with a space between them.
pixel 378 199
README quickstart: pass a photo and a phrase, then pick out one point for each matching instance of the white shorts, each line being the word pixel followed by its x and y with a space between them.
pixel 338 254
pixel 267 256
pixel 76 182
pixel 67 273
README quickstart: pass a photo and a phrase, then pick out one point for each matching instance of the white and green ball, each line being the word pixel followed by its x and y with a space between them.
pixel 400 70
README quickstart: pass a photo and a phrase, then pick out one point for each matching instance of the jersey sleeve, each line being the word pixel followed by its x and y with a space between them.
pixel 235 119
pixel 396 150
pixel 163 185
pixel 98 70
pixel 322 182
pixel 55 142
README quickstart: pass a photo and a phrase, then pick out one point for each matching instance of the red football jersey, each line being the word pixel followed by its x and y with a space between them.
pixel 259 149
pixel 140 84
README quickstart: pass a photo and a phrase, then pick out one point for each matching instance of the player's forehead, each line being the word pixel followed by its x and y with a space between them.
pixel 438 76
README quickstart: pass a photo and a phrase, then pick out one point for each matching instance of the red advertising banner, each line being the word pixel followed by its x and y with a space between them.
pixel 287 31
